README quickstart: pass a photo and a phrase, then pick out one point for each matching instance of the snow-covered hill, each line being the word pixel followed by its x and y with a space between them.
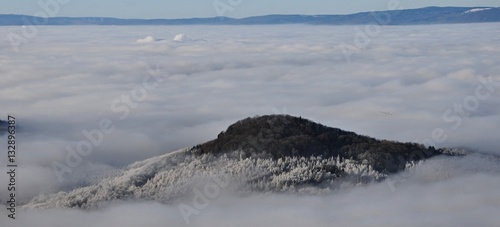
pixel 252 156
pixel 475 10
pixel 171 176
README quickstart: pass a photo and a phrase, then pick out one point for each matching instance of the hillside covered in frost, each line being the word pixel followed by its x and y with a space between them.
pixel 276 153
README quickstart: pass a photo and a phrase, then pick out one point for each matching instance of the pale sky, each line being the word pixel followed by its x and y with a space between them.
pixel 206 8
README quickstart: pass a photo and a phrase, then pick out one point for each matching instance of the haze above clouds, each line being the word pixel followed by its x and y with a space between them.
pixel 397 86
pixel 233 8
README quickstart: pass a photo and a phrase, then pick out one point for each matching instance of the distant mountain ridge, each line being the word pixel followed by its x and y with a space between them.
pixel 428 15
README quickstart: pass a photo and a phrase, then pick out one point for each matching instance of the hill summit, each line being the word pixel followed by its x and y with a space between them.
pixel 279 136
pixel 274 153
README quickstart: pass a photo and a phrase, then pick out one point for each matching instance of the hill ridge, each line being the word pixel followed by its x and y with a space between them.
pixel 279 136
pixel 235 156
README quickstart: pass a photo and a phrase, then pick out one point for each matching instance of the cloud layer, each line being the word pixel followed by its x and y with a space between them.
pixel 443 191
pixel 398 84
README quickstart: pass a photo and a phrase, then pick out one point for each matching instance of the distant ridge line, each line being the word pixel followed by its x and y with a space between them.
pixel 421 16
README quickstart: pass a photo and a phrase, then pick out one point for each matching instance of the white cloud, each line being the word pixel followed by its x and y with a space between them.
pixel 459 191
pixel 147 39
pixel 59 85
pixel 180 37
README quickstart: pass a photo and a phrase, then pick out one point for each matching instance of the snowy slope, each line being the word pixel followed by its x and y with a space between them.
pixel 275 153
pixel 170 176
pixel 475 10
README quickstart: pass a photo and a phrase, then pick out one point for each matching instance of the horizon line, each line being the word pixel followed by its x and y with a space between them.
pixel 237 18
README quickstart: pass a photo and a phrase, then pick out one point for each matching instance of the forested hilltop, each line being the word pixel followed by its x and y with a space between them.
pixel 279 136
pixel 274 153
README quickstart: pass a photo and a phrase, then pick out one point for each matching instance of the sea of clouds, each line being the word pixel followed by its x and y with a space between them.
pixel 404 83
pixel 440 192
